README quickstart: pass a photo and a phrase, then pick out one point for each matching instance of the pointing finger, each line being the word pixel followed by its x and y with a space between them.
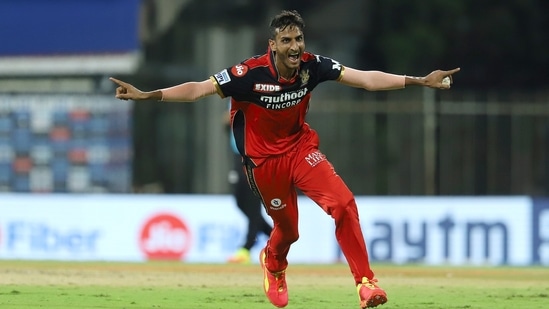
pixel 119 82
pixel 453 71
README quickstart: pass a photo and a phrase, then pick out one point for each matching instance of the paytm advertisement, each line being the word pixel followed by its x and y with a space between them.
pixel 457 231
pixel 209 228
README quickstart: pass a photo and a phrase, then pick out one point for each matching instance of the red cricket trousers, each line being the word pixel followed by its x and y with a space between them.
pixel 307 169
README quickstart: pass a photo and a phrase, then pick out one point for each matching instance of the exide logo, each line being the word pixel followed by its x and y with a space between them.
pixel 266 88
pixel 165 237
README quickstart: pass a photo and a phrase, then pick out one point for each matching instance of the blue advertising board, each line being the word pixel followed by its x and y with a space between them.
pixel 540 231
pixel 65 27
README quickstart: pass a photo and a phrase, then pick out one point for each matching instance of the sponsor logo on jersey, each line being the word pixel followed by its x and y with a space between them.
pixel 335 65
pixel 315 157
pixel 284 100
pixel 276 204
pixel 222 77
pixel 239 70
pixel 266 88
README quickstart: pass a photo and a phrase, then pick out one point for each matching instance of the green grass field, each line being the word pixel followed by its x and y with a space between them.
pixel 194 286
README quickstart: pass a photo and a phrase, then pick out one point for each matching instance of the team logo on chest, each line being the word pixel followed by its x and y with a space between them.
pixel 304 75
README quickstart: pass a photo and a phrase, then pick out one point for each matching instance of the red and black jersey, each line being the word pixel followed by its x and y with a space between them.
pixel 268 111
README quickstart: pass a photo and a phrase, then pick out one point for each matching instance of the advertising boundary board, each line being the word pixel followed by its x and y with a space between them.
pixel 540 231
pixel 448 230
pixel 208 228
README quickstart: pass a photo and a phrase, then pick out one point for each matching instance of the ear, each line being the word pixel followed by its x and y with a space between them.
pixel 272 44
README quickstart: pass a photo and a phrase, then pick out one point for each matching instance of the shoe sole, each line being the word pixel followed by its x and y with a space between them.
pixel 374 301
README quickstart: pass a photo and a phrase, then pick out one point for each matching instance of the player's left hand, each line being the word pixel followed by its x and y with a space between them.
pixel 435 78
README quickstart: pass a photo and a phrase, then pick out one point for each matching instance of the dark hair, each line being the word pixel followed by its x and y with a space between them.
pixel 285 19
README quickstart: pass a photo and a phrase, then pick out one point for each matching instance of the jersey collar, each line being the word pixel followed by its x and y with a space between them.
pixel 274 70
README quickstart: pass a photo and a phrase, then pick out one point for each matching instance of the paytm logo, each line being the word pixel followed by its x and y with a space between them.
pixel 472 239
pixel 22 236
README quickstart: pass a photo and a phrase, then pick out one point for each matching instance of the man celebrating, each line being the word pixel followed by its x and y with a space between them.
pixel 270 97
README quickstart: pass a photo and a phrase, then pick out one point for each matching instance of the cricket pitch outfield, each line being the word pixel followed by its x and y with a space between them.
pixel 56 285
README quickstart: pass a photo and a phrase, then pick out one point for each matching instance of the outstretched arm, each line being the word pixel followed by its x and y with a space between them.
pixel 377 80
pixel 186 92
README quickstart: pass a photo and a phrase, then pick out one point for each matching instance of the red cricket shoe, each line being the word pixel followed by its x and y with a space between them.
pixel 274 284
pixel 369 294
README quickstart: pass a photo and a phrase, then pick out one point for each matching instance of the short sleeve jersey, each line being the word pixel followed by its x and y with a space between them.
pixel 267 111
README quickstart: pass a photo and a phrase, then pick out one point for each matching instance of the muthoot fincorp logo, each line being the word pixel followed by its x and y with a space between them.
pixel 284 100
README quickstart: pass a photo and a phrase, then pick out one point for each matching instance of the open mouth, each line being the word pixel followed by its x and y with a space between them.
pixel 294 58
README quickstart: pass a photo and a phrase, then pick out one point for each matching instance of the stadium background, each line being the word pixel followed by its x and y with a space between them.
pixel 61 130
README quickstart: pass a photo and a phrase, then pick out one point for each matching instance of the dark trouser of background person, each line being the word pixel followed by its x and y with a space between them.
pixel 251 207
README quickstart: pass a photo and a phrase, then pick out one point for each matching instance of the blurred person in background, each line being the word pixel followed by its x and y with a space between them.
pixel 270 96
pixel 247 202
